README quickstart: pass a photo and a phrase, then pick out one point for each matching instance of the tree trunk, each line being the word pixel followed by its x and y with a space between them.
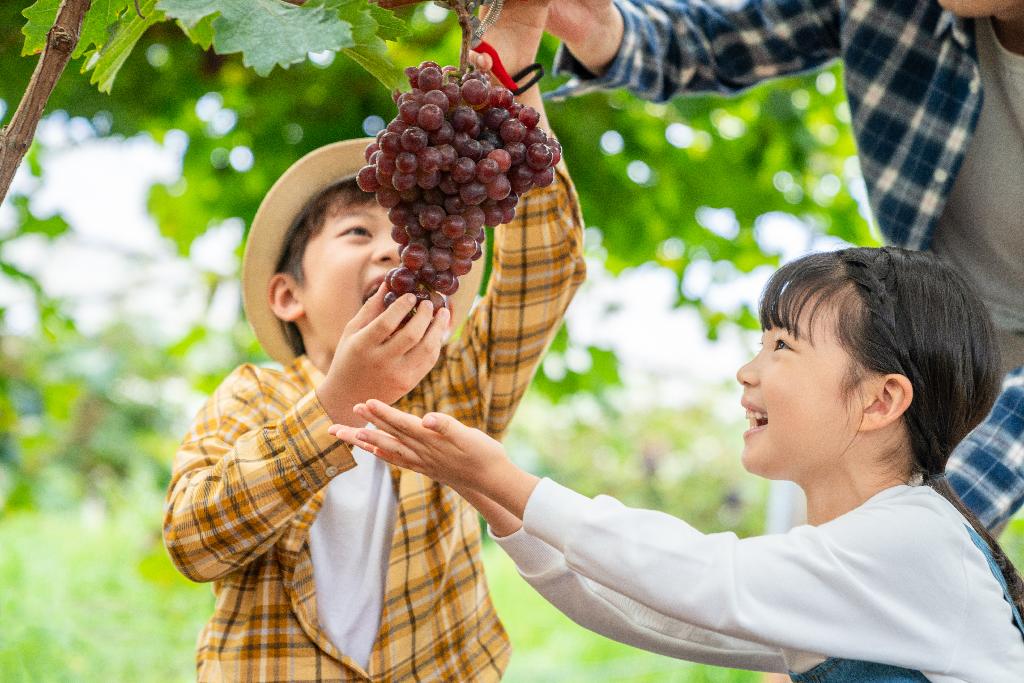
pixel 16 137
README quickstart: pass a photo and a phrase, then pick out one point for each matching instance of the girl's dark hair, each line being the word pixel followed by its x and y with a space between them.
pixel 905 312
pixel 305 227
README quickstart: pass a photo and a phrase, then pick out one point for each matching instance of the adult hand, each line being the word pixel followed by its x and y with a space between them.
pixel 591 29
pixel 379 357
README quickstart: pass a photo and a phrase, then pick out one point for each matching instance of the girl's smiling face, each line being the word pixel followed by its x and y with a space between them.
pixel 796 392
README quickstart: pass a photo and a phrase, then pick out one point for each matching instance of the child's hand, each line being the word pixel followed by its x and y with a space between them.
pixel 437 445
pixel 379 357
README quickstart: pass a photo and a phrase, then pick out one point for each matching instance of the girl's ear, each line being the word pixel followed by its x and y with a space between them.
pixel 886 398
pixel 284 300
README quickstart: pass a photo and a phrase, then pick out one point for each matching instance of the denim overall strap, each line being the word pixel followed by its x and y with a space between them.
pixel 987 552
pixel 835 670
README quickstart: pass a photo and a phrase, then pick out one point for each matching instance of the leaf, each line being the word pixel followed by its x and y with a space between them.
pixel 390 26
pixel 112 56
pixel 200 33
pixel 268 33
pixel 41 15
pixel 96 28
pixel 370 51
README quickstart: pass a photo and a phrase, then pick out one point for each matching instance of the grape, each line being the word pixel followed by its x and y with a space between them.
pixel 414 255
pixel 367 179
pixel 458 155
pixel 414 139
pixel 512 130
pixel 430 116
pixel 401 280
pixel 539 156
pixel 405 162
pixel 487 170
pixel 475 93
pixel 438 99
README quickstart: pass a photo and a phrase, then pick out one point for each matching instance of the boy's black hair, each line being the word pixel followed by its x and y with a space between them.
pixel 307 225
pixel 905 312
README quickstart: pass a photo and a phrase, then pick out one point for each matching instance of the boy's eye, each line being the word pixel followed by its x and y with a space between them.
pixel 780 344
pixel 356 230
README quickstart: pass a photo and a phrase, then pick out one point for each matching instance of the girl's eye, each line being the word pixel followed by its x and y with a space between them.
pixel 357 230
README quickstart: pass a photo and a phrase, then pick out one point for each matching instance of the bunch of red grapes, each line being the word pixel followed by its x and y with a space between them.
pixel 458 156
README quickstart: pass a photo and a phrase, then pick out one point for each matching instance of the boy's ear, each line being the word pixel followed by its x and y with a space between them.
pixel 886 399
pixel 284 301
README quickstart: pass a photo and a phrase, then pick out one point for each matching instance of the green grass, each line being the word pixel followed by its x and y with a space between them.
pixel 90 596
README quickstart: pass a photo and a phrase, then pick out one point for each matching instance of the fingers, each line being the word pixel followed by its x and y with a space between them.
pixel 379 443
pixel 370 310
pixel 442 424
pixel 412 332
pixel 434 338
pixel 481 61
pixel 392 420
pixel 385 324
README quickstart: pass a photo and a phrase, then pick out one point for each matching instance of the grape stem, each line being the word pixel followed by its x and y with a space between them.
pixel 466 23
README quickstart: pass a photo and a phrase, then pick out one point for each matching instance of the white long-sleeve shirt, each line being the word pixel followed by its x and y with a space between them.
pixel 897 580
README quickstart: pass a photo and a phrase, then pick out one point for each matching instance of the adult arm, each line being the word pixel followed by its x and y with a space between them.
pixel 987 468
pixel 670 47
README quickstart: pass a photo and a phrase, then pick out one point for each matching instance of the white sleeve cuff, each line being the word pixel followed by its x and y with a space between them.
pixel 552 511
pixel 532 556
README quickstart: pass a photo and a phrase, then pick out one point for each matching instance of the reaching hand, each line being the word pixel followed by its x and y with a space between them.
pixel 379 357
pixel 574 21
pixel 438 446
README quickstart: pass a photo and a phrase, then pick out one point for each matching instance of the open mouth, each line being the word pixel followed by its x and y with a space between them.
pixel 757 419
pixel 372 288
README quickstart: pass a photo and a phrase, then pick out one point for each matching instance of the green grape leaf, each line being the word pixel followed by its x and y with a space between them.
pixel 108 60
pixel 102 15
pixel 370 50
pixel 390 26
pixel 201 32
pixel 40 15
pixel 268 33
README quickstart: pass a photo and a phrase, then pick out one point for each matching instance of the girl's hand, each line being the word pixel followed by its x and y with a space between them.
pixel 438 446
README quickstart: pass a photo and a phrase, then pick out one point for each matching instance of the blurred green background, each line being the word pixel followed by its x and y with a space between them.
pixel 689 206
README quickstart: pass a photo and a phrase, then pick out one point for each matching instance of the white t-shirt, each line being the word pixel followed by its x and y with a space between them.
pixel 896 581
pixel 350 545
pixel 981 229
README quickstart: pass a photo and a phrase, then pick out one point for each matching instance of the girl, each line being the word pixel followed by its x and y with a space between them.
pixel 874 364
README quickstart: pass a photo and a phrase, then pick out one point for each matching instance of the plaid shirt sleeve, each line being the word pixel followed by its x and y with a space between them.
pixel 699 46
pixel 538 266
pixel 239 477
pixel 987 468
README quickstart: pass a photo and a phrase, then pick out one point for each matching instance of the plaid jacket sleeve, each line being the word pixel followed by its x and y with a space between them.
pixel 537 267
pixel 703 46
pixel 239 478
pixel 987 468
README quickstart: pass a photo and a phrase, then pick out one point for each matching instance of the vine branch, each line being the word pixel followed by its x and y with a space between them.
pixel 61 40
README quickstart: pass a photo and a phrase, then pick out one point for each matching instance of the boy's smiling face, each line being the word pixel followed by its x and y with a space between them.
pixel 342 266
pixel 794 393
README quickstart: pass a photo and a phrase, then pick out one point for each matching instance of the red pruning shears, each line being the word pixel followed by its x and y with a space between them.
pixel 510 82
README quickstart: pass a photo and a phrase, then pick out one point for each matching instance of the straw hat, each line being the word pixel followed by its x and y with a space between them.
pixel 303 181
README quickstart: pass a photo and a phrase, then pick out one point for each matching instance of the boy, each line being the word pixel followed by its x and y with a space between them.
pixel 327 563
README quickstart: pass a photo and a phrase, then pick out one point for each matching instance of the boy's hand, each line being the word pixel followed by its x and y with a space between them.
pixel 437 445
pixel 379 357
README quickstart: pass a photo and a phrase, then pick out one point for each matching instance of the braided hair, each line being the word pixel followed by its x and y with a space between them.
pixel 905 312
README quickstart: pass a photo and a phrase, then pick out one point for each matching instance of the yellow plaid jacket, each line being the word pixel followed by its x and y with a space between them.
pixel 251 473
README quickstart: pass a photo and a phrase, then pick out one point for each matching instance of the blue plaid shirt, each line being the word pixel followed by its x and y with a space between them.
pixel 914 87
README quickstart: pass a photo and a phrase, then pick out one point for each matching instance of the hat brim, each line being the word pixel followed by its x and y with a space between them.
pixel 303 181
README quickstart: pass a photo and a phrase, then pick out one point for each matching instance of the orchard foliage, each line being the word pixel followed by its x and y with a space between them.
pixel 650 179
